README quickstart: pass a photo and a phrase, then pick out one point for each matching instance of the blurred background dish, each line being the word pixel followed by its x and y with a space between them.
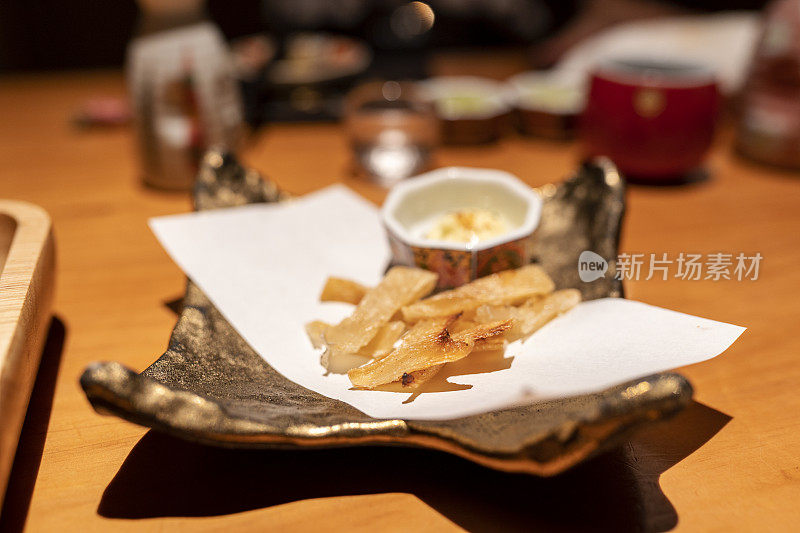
pixel 317 57
pixel 472 110
pixel 309 76
pixel 548 103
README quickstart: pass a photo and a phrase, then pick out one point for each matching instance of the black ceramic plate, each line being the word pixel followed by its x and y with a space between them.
pixel 211 387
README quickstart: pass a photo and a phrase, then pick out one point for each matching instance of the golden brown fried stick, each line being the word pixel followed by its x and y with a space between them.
pixel 532 315
pixel 400 286
pixel 503 288
pixel 427 344
pixel 383 342
pixel 316 332
pixel 342 290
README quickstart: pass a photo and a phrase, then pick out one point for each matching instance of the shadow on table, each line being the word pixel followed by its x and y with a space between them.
pixel 164 476
pixel 694 177
pixel 31 440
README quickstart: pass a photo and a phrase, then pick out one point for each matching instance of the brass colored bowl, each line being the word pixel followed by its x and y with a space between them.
pixel 211 387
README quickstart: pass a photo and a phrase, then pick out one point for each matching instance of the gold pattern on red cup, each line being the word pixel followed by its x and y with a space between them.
pixel 649 102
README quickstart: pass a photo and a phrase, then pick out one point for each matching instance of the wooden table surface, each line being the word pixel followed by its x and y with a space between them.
pixel 730 461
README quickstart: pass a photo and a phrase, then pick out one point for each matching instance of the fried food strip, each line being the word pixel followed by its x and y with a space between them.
pixel 415 380
pixel 316 332
pixel 491 345
pixel 483 331
pixel 503 288
pixel 342 290
pixel 489 339
pixel 532 315
pixel 462 324
pixel 426 345
pixel 343 362
pixel 401 286
pixel 546 309
pixel 383 342
pixel 423 340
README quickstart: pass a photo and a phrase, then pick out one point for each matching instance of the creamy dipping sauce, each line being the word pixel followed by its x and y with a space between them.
pixel 468 225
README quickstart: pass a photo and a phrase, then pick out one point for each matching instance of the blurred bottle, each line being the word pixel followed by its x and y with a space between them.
pixel 769 129
pixel 183 91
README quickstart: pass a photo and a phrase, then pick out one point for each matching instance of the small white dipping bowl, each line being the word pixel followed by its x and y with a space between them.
pixel 548 103
pixel 413 205
pixel 462 124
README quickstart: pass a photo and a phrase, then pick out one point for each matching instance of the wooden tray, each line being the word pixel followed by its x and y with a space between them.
pixel 27 272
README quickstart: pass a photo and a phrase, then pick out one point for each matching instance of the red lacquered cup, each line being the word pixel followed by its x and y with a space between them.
pixel 654 119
